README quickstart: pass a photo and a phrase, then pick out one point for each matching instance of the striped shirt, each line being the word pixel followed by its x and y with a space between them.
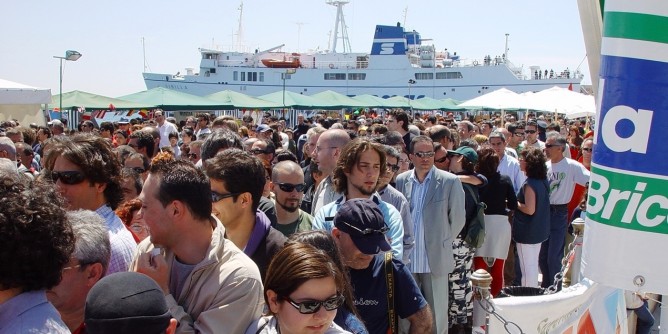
pixel 123 245
pixel 419 263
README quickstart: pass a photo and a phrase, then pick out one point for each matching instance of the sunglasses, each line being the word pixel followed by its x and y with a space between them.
pixel 139 170
pixel 313 306
pixel 424 154
pixel 192 155
pixel 519 134
pixel 552 145
pixel 442 160
pixel 368 230
pixel 216 197
pixel 68 177
pixel 393 168
pixel 259 151
pixel 530 131
pixel 584 149
pixel 289 187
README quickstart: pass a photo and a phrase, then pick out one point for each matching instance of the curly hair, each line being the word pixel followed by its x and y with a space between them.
pixel 535 163
pixel 36 241
pixel 349 158
pixel 488 161
pixel 96 158
pixel 127 209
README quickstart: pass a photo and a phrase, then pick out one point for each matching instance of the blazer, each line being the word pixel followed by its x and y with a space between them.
pixel 443 216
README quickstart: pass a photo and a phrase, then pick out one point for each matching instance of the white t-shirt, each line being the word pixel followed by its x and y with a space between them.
pixel 563 176
pixel 165 129
pixel 510 167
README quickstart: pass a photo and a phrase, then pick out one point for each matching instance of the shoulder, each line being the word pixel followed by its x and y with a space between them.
pixel 264 325
pixel 275 240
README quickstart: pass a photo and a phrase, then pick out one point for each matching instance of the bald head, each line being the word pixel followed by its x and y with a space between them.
pixel 285 168
pixel 328 149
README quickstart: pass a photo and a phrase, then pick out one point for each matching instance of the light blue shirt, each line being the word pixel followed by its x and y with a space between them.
pixel 123 245
pixel 419 263
pixel 398 200
pixel 30 312
pixel 324 220
pixel 510 167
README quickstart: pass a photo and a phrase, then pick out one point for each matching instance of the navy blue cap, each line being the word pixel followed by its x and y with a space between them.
pixel 362 220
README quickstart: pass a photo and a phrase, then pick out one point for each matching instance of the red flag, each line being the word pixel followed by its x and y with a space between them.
pixel 570 87
pixel 111 107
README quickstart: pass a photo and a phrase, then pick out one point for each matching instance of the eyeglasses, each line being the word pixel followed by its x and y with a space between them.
pixel 68 177
pixel 585 149
pixel 442 160
pixel 217 197
pixel 313 306
pixel 424 154
pixel 289 187
pixel 552 145
pixel 257 151
pixel 318 148
pixel 393 168
pixel 519 134
pixel 529 132
pixel 368 230
pixel 138 228
pixel 139 170
pixel 404 161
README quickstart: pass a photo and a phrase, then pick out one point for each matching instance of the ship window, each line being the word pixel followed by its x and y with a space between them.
pixel 243 76
pixel 252 76
pixel 424 76
pixel 235 76
pixel 449 75
pixel 356 76
pixel 261 76
pixel 335 76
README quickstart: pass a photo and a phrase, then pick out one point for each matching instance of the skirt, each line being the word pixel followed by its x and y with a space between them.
pixel 497 237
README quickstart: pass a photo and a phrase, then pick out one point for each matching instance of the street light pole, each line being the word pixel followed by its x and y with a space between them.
pixel 410 83
pixel 70 55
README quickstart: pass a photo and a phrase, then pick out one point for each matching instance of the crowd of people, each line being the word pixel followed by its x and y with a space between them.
pixel 224 225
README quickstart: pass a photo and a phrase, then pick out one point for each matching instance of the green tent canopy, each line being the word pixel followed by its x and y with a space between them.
pixel 337 99
pixel 79 99
pixel 171 100
pixel 295 100
pixel 399 102
pixel 236 100
pixel 372 101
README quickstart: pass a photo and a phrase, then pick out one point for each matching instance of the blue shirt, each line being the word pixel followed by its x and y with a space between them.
pixel 30 312
pixel 123 245
pixel 324 220
pixel 419 262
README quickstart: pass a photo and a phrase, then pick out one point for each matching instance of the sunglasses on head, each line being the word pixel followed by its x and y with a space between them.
pixel 368 230
pixel 68 177
pixel 530 131
pixel 313 306
pixel 289 187
pixel 216 197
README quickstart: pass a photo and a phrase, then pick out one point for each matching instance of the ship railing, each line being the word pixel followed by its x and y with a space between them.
pixel 336 65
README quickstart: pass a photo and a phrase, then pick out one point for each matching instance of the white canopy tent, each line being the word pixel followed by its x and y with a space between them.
pixel 498 100
pixel 562 101
pixel 22 102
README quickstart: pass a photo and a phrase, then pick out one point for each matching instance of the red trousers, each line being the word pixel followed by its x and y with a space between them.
pixel 496 270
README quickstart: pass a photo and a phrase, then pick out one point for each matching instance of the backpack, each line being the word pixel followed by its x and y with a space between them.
pixel 475 235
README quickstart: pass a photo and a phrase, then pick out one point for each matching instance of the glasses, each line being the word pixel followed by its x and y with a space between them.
pixel 552 145
pixel 368 230
pixel 192 155
pixel 442 160
pixel 138 228
pixel 68 177
pixel 585 149
pixel 393 168
pixel 313 306
pixel 318 148
pixel 424 154
pixel 257 151
pixel 139 170
pixel 404 161
pixel 289 187
pixel 217 197
pixel 529 132
pixel 519 134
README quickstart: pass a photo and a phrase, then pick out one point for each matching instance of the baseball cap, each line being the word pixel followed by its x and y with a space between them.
pixel 362 220
pixel 262 128
pixel 126 302
pixel 466 151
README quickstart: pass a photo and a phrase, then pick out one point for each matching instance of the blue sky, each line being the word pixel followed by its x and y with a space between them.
pixel 108 34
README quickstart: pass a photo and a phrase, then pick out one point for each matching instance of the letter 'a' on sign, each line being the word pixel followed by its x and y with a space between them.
pixel 627 208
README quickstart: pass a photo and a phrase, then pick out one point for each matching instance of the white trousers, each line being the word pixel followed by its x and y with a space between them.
pixel 528 256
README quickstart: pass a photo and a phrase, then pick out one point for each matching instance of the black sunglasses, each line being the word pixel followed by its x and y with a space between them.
pixel 368 230
pixel 259 151
pixel 530 131
pixel 584 149
pixel 552 145
pixel 289 187
pixel 393 168
pixel 215 197
pixel 313 306
pixel 442 160
pixel 424 154
pixel 68 177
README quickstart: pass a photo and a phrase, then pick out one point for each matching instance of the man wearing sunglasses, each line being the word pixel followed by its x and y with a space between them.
pixel 265 150
pixel 436 198
pixel 359 232
pixel 516 136
pixel 237 181
pixel 356 176
pixel 531 135
pixel 87 174
pixel 288 186
pixel 208 284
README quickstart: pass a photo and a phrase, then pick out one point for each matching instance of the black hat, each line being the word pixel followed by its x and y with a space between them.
pixel 126 302
pixel 362 220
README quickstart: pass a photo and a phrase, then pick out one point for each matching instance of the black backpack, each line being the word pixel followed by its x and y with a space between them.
pixel 475 235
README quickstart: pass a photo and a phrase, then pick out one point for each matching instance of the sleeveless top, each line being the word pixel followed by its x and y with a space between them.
pixel 533 229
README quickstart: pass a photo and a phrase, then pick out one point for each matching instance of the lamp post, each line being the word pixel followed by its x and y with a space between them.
pixel 410 83
pixel 70 55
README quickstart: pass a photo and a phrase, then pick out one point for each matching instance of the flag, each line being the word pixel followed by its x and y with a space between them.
pixel 100 114
pixel 111 107
pixel 570 87
pixel 143 113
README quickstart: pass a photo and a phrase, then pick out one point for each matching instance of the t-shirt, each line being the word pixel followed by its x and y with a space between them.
pixel 303 223
pixel 562 177
pixel 370 291
pixel 178 276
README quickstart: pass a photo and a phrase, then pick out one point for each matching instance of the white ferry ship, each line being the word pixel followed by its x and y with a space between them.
pixel 398 64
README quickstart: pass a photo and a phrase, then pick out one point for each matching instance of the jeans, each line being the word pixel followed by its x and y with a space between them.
pixel 552 249
pixel 645 320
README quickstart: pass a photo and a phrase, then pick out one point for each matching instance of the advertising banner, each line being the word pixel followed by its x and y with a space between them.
pixel 627 209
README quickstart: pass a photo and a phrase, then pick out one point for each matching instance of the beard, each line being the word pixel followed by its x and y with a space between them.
pixel 287 207
pixel 364 191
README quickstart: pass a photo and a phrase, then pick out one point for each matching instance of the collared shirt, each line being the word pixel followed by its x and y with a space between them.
pixel 30 312
pixel 510 167
pixel 324 194
pixel 419 262
pixel 391 195
pixel 123 245
pixel 165 129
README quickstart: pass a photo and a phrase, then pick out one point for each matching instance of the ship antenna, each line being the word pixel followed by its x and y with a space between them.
pixel 405 15
pixel 340 20
pixel 299 32
pixel 143 49
pixel 505 53
pixel 240 30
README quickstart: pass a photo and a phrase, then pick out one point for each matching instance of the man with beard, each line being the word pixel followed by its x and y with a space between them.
pixel 356 175
pixel 288 186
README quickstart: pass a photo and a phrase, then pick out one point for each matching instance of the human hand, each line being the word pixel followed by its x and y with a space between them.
pixel 155 267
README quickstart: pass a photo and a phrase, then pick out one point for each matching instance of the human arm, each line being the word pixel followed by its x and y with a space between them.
pixel 320 221
pixel 421 321
pixel 396 232
pixel 456 207
pixel 409 239
pixel 529 205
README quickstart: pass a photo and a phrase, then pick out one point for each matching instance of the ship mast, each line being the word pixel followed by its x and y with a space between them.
pixel 240 31
pixel 505 52
pixel 340 20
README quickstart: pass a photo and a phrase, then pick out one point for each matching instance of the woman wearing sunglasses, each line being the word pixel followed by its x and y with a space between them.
pixel 302 290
